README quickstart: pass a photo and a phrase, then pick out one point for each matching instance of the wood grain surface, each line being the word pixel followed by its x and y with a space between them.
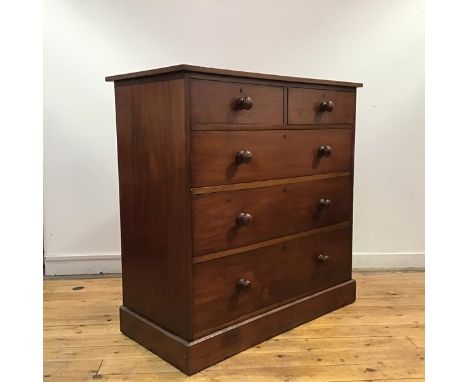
pixel 276 211
pixel 213 102
pixel 276 154
pixel 228 73
pixel 378 338
pixel 276 273
pixel 155 201
pixel 304 107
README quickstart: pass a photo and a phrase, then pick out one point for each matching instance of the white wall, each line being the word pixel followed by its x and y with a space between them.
pixel 377 42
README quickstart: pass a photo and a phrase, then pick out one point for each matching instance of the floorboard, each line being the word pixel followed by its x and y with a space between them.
pixel 378 338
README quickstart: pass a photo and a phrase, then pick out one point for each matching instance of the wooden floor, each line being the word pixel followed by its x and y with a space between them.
pixel 378 338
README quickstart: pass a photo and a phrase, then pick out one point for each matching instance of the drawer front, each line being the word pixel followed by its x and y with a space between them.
pixel 218 223
pixel 217 155
pixel 274 274
pixel 214 102
pixel 305 107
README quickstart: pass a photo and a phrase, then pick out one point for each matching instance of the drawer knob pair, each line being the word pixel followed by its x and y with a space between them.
pixel 244 156
pixel 322 259
pixel 244 284
pixel 324 151
pixel 243 103
pixel 243 219
pixel 324 203
pixel 327 106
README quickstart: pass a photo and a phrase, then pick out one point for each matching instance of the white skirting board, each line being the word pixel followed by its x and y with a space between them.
pixel 110 263
pixel 405 260
pixel 82 264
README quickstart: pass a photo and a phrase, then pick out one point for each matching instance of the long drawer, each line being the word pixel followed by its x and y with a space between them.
pixel 225 220
pixel 232 286
pixel 225 157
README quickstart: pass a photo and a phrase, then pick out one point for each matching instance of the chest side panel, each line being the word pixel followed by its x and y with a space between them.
pixel 155 201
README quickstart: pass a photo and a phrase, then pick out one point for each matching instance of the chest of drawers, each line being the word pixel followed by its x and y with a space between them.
pixel 235 205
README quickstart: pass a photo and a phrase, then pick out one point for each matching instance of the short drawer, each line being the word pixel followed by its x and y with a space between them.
pixel 230 287
pixel 313 106
pixel 217 102
pixel 224 157
pixel 224 220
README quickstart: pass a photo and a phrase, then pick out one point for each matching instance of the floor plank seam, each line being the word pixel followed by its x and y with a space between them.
pixel 387 340
pixel 99 368
pixel 410 340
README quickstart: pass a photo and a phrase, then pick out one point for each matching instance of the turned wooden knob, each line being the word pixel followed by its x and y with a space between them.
pixel 243 103
pixel 243 219
pixel 244 284
pixel 324 151
pixel 322 259
pixel 244 156
pixel 324 203
pixel 326 106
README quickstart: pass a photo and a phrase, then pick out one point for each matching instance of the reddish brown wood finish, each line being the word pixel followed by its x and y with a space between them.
pixel 276 273
pixel 193 356
pixel 276 154
pixel 215 102
pixel 276 211
pixel 264 178
pixel 155 202
pixel 304 107
pixel 225 73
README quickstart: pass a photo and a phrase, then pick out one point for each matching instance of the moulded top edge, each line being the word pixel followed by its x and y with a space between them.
pixel 227 72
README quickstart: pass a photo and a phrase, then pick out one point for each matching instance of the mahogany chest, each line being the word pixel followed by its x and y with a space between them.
pixel 236 205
